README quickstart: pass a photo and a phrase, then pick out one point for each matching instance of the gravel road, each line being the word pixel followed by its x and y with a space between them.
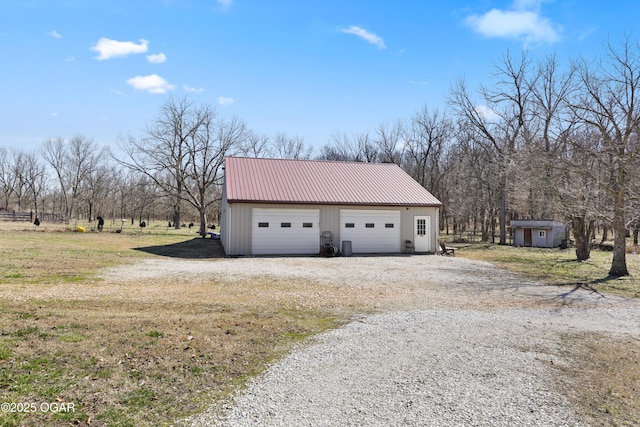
pixel 459 342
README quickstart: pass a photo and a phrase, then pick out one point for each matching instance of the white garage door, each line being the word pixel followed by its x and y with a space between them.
pixel 371 231
pixel 285 231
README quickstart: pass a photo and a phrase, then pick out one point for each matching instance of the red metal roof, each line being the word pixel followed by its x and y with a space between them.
pixel 322 182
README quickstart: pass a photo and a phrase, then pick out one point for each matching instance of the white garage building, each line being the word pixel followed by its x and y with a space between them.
pixel 283 207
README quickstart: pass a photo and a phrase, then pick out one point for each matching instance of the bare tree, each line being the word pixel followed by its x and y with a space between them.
pixel 291 147
pixel 97 186
pixel 36 178
pixel 608 101
pixel 356 148
pixel 472 185
pixel 54 152
pixel 20 187
pixel 206 151
pixel 161 154
pixel 550 90
pixel 183 152
pixel 389 142
pixel 255 145
pixel 579 194
pixel 426 141
pixel 500 122
pixel 7 178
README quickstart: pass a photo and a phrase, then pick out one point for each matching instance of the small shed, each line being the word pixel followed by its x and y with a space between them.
pixel 538 233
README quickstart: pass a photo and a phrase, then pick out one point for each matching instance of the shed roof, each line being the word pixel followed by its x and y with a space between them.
pixel 322 182
pixel 538 223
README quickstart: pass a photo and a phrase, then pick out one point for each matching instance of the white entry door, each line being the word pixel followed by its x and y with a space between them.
pixel 422 233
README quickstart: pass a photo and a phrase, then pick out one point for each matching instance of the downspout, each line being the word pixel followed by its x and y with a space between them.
pixel 437 231
pixel 227 238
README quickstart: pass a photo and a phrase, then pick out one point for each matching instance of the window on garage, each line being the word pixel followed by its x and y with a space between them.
pixel 263 224
pixel 389 225
pixel 285 225
pixel 307 225
pixel 369 225
pixel 349 225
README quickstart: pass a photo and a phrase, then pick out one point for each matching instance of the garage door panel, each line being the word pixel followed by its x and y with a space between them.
pixel 285 231
pixel 371 231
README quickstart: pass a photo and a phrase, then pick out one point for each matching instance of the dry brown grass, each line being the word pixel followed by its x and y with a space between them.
pixel 134 353
pixel 603 378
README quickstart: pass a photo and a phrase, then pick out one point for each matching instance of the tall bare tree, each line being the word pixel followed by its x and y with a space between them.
pixel 162 153
pixel 609 101
pixel 290 147
pixel 255 145
pixel 7 178
pixel 500 122
pixel 426 139
pixel 73 161
pixel 182 152
pixel 36 178
pixel 206 152
pixel 20 187
pixel 389 142
pixel 356 148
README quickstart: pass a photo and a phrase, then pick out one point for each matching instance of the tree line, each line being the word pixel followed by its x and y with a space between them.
pixel 537 140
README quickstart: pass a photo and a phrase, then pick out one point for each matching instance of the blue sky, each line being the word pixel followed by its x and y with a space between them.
pixel 103 68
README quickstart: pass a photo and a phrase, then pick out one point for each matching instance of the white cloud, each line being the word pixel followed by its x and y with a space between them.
pixel 225 3
pixel 108 48
pixel 152 84
pixel 419 82
pixel 523 20
pixel 487 113
pixel 54 114
pixel 192 89
pixel 54 34
pixel 365 35
pixel 70 59
pixel 222 100
pixel 158 58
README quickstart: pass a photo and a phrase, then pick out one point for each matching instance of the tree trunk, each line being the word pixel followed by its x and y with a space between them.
pixel 203 221
pixel 176 217
pixel 582 230
pixel 619 261
pixel 503 211
pixel 605 234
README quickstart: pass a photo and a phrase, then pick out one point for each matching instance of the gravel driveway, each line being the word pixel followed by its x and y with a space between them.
pixel 456 342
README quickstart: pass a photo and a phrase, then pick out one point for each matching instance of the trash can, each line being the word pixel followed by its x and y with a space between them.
pixel 346 248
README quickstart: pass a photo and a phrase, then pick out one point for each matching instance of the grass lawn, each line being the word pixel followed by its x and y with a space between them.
pixel 127 354
pixel 559 267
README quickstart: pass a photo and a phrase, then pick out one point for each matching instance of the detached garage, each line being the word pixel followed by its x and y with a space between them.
pixel 289 207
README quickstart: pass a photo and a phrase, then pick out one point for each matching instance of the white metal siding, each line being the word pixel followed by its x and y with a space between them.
pixel 381 238
pixel 275 239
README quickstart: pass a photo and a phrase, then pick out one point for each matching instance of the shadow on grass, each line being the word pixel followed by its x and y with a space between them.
pixel 197 248
pixel 587 286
